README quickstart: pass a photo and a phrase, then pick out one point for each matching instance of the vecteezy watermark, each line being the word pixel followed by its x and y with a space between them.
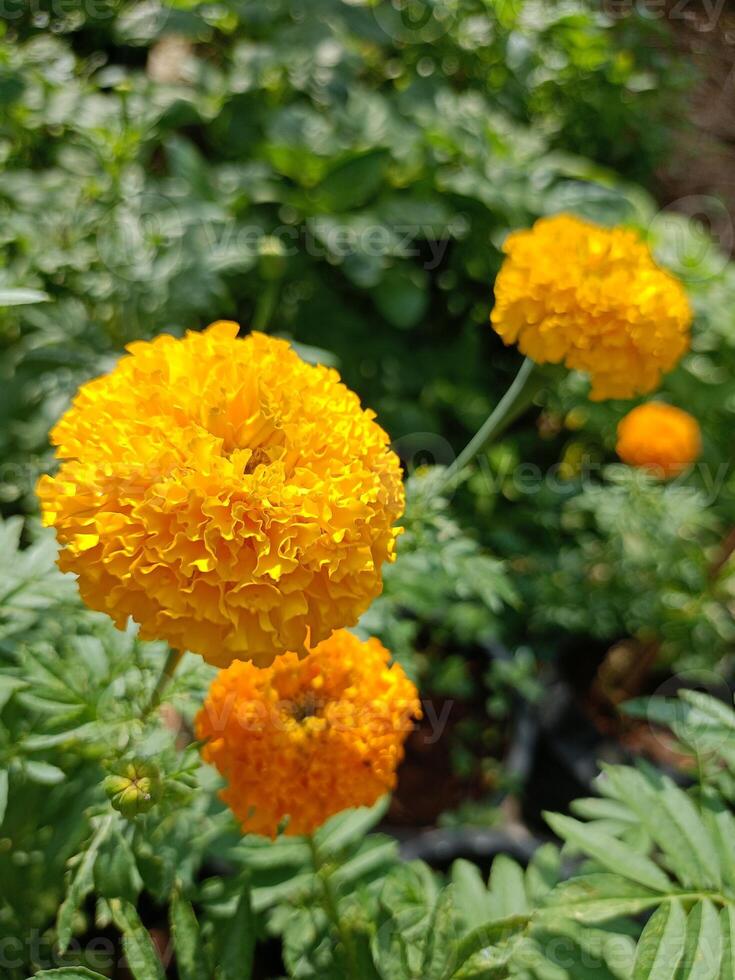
pixel 47 11
pixel 255 715
pixel 416 21
pixel 142 238
pixel 695 235
pixel 526 479
pixel 98 953
pixel 705 13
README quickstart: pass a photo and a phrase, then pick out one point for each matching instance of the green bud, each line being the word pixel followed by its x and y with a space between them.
pixel 136 789
pixel 271 258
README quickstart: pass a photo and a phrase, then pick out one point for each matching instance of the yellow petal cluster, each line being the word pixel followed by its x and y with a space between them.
pixel 306 738
pixel 226 496
pixel 659 438
pixel 593 298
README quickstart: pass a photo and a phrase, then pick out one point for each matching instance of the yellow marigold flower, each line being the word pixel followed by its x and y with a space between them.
pixel 225 495
pixel 659 438
pixel 593 298
pixel 306 738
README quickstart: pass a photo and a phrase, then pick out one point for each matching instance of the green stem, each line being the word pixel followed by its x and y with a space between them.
pixel 516 399
pixel 169 668
pixel 265 307
pixel 332 909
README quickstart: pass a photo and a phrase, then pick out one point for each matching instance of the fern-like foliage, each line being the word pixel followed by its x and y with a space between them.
pixel 653 893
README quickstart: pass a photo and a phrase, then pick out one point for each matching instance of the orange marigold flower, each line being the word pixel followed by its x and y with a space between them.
pixel 660 438
pixel 228 497
pixel 306 738
pixel 593 298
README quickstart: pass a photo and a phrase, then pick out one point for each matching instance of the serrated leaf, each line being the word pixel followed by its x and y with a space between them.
pixel 234 954
pixel 671 820
pixel 8 686
pixel 609 852
pixel 703 948
pixel 376 854
pixel 661 945
pixel 586 953
pixel 81 885
pixel 115 871
pixel 601 808
pixel 599 897
pixel 470 894
pixel 711 708
pixel 720 823
pixel 349 826
pixel 485 937
pixel 190 960
pixel 507 886
pixel 438 956
pixel 140 953
pixel 543 871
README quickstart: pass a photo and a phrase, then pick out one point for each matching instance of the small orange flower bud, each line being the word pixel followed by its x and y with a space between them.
pixel 659 438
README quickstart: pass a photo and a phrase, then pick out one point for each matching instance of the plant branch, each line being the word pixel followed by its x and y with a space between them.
pixel 169 669
pixel 332 909
pixel 513 403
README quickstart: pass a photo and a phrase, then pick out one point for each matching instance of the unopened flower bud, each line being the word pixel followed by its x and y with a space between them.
pixel 134 790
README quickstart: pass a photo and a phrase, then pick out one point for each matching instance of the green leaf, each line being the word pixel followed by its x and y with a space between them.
pixel 349 826
pixel 721 826
pixel 609 852
pixel 402 295
pixel 599 897
pixel 3 794
pixel 81 885
pixel 727 924
pixel 43 772
pixel 352 183
pixel 234 955
pixel 115 871
pixel 190 959
pixel 543 872
pixel 22 297
pixel 508 887
pixel 140 953
pixel 704 942
pixel 8 686
pixel 474 905
pixel 484 937
pixel 441 939
pixel 68 973
pixel 671 820
pixel 661 945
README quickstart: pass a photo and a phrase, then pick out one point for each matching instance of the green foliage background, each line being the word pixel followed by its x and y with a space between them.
pixel 151 155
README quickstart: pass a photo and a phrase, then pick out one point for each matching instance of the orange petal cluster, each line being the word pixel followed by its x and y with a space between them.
pixel 593 298
pixel 306 738
pixel 226 496
pixel 659 438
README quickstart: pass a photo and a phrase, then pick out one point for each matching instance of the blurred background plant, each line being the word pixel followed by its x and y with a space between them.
pixel 343 173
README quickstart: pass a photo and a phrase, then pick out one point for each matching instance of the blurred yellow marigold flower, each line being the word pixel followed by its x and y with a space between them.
pixel 228 497
pixel 306 738
pixel 571 291
pixel 660 438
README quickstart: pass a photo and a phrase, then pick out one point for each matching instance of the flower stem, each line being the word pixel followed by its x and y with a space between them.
pixel 332 909
pixel 169 668
pixel 265 307
pixel 516 399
